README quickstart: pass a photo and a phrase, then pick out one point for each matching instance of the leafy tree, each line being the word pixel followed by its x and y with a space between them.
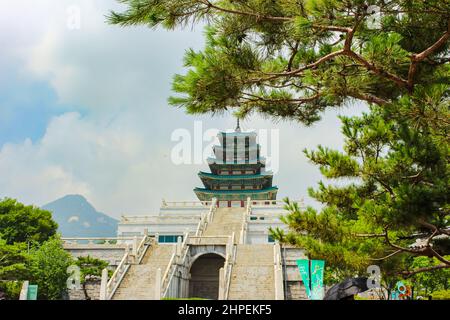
pixel 20 223
pixel 427 283
pixel 90 267
pixel 14 262
pixel 295 58
pixel 391 202
pixel 49 268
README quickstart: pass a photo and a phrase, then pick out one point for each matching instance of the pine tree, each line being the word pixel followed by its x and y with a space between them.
pixel 293 59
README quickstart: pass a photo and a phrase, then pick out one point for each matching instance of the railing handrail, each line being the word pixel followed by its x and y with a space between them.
pixel 169 266
pixel 206 218
pixel 165 284
pixel 248 211
pixel 114 282
pixel 228 266
pixel 140 251
pixel 117 276
pixel 95 238
pixel 278 273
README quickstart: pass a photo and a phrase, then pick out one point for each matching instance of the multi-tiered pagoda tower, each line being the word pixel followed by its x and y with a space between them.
pixel 237 171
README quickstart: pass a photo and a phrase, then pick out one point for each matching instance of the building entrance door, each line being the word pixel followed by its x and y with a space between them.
pixel 204 282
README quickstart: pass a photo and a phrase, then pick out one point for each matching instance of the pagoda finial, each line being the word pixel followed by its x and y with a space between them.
pixel 238 127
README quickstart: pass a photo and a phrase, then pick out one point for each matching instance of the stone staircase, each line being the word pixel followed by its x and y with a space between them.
pixel 252 276
pixel 139 281
pixel 225 222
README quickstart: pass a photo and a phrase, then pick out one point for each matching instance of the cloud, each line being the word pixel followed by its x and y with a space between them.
pixel 107 134
pixel 73 219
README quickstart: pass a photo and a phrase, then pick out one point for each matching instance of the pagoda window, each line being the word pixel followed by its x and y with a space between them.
pixel 249 172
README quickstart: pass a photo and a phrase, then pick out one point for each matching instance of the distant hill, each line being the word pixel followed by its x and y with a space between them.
pixel 76 217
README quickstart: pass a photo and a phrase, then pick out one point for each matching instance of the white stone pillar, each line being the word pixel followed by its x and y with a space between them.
pixel 135 249
pixel 103 285
pixel 24 291
pixel 158 284
pixel 222 284
pixel 179 247
pixel 135 245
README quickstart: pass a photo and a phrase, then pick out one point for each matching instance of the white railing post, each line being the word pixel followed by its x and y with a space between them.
pixel 103 285
pixel 222 283
pixel 24 290
pixel 278 272
pixel 135 245
pixel 158 284
pixel 178 247
pixel 135 249
pixel 156 238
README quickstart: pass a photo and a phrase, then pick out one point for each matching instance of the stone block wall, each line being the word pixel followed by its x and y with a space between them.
pixel 92 291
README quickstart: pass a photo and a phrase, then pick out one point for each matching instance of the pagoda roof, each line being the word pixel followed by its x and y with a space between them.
pixel 238 133
pixel 267 174
pixel 239 191
pixel 212 160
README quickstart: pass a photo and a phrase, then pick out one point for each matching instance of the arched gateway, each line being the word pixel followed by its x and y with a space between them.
pixel 204 281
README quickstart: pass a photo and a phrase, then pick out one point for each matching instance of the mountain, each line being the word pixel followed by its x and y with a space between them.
pixel 76 217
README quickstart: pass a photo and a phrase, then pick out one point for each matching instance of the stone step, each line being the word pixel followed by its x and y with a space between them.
pixel 253 273
pixel 138 283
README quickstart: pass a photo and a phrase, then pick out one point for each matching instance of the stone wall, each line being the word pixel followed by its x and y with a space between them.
pixel 92 290
pixel 294 288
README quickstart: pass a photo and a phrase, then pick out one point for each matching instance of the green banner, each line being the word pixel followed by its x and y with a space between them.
pixel 312 277
pixel 303 267
pixel 32 292
pixel 317 290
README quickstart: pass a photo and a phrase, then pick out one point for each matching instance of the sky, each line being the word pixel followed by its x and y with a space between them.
pixel 83 110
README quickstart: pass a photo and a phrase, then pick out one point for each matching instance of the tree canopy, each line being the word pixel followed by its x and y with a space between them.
pixel 293 59
pixel 389 199
pixel 20 223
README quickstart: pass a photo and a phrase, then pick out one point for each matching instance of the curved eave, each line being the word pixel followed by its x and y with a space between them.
pixel 207 191
pixel 206 175
pixel 212 160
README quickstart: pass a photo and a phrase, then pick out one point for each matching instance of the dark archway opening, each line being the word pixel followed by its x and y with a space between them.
pixel 204 282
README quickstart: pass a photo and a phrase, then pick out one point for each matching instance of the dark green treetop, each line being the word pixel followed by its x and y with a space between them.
pixel 294 58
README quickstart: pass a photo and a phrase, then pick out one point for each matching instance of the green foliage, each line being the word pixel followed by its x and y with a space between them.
pixel 49 265
pixel 441 295
pixel 426 283
pixel 20 223
pixel 295 58
pixel 395 191
pixel 90 266
pixel 29 250
pixel 13 261
pixel 11 289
